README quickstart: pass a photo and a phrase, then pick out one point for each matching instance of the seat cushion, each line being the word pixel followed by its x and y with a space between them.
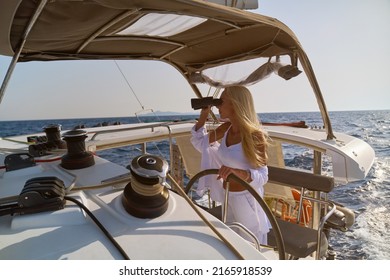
pixel 299 241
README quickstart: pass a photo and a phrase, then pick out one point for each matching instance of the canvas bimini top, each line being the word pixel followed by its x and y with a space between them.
pixel 192 36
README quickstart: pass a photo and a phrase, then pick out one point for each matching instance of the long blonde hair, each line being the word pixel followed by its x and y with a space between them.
pixel 253 138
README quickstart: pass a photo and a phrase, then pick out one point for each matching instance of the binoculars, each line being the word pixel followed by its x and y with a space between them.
pixel 199 103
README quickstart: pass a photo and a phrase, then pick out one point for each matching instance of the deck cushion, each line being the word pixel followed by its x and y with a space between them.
pixel 299 241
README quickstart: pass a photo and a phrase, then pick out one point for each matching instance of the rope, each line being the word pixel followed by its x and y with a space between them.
pixel 15 141
pixel 102 185
pixel 102 228
pixel 146 190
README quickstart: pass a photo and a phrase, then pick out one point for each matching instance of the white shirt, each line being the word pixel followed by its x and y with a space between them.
pixel 216 154
pixel 242 207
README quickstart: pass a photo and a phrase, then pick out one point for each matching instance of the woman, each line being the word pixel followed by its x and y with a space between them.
pixel 237 146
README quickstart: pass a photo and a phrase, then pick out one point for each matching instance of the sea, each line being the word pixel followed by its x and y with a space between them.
pixel 369 199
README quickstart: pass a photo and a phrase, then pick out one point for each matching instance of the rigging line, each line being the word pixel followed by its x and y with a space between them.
pixel 135 95
pixel 102 228
pixel 128 84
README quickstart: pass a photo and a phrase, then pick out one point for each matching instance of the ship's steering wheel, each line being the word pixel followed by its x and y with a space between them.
pixel 253 192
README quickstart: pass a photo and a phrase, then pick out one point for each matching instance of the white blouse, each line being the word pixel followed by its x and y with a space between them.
pixel 242 205
pixel 216 154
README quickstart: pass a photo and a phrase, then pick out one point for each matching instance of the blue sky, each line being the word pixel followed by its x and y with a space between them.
pixel 347 41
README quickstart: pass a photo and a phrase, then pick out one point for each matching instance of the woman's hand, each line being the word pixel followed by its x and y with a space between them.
pixel 225 171
pixel 204 114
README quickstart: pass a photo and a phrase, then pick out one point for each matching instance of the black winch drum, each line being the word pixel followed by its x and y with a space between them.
pixel 77 156
pixel 146 195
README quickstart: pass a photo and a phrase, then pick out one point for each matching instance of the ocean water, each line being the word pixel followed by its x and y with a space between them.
pixel 369 199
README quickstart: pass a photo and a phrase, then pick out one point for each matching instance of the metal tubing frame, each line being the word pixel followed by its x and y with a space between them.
pixel 16 56
pixel 166 125
pixel 321 221
pixel 259 199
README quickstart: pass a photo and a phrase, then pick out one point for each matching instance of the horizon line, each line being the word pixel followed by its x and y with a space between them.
pixel 168 113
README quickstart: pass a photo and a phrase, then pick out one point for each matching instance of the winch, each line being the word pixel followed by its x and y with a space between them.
pixel 45 144
pixel 146 196
pixel 77 156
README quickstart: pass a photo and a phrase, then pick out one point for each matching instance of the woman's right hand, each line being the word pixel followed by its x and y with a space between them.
pixel 204 114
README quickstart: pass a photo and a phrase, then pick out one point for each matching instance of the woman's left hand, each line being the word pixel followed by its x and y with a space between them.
pixel 225 171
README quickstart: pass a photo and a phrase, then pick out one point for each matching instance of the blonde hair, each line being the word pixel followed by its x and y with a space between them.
pixel 253 138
